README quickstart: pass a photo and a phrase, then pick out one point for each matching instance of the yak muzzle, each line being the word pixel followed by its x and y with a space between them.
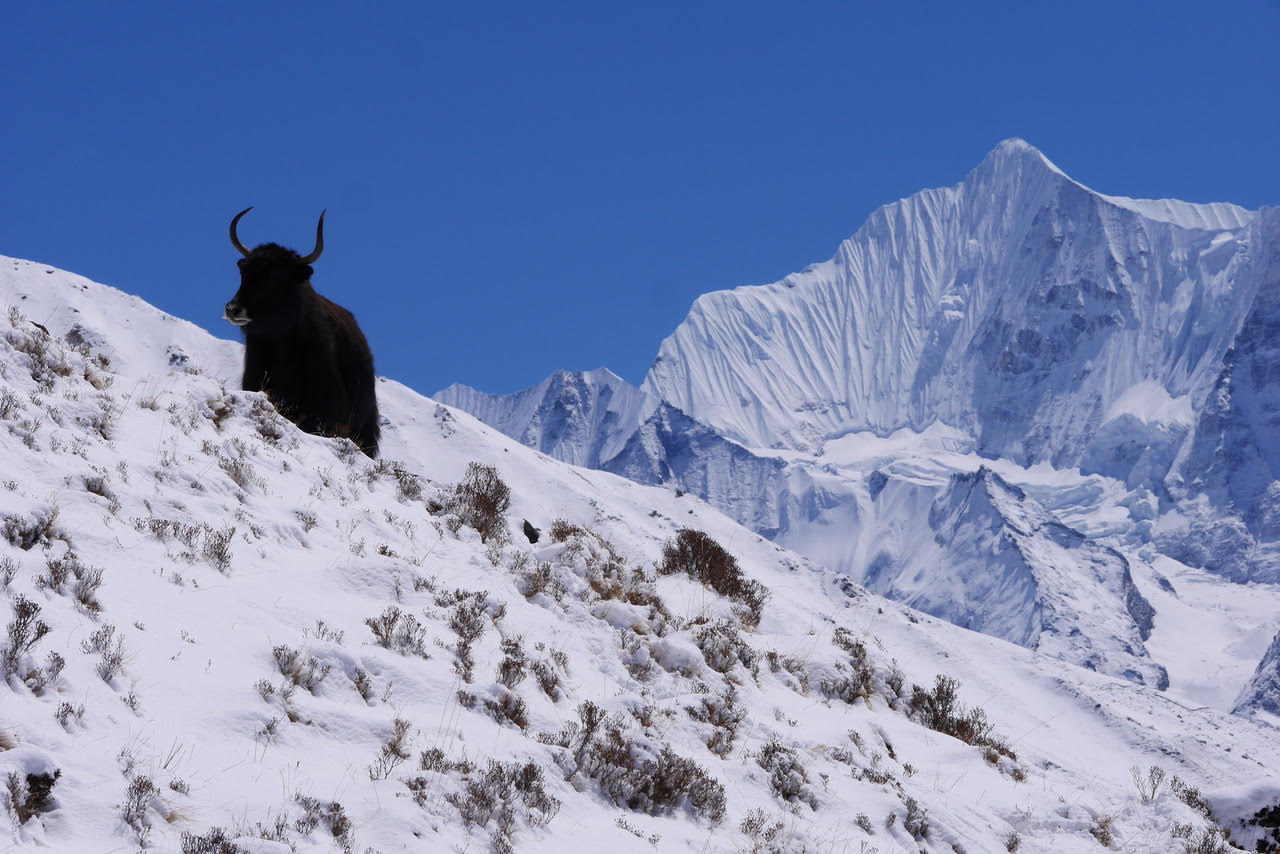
pixel 235 314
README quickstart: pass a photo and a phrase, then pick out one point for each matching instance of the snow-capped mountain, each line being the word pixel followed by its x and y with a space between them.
pixel 1047 321
pixel 1017 316
pixel 1017 306
pixel 583 418
pixel 224 635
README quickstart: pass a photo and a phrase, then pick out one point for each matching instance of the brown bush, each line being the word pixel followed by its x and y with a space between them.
pixel 706 561
pixel 481 500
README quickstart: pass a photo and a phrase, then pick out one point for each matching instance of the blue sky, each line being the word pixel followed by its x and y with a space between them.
pixel 519 187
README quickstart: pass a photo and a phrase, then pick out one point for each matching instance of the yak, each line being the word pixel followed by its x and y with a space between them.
pixel 305 352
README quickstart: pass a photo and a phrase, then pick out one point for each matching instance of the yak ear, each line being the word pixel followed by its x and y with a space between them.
pixel 306 272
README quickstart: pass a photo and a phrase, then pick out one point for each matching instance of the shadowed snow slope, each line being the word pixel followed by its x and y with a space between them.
pixel 226 635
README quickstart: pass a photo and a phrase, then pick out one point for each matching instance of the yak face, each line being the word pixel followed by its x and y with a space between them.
pixel 271 280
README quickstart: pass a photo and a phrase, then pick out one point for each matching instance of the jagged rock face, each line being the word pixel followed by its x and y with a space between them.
pixel 578 417
pixel 978 552
pixel 1262 693
pixel 1018 306
pixel 1234 457
pixel 672 448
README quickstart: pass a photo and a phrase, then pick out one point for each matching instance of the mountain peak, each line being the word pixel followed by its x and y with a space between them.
pixel 966 305
pixel 1015 168
pixel 1016 150
pixel 1017 161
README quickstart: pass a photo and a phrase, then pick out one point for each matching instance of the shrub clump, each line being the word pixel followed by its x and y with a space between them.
pixel 722 647
pixel 704 560
pixel 30 795
pixel 857 677
pixel 216 841
pixel 498 796
pixel 302 670
pixel 481 500
pixel 636 774
pixel 400 632
pixel 26 533
pixel 24 631
pixel 468 623
pixel 940 710
pixel 725 715
pixel 787 776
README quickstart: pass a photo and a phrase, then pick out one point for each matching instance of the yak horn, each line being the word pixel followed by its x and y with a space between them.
pixel 235 241
pixel 311 259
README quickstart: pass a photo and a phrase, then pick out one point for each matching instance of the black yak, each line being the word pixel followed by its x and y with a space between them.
pixel 305 352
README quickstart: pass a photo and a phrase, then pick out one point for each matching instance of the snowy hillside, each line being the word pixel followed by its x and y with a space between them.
pixel 225 635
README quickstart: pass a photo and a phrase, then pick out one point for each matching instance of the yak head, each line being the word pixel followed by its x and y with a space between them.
pixel 272 279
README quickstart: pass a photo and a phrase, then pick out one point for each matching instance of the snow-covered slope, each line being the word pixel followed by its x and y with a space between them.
pixel 1017 306
pixel 1000 564
pixel 259 640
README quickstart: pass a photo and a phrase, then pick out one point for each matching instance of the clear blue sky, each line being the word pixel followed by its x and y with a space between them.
pixel 519 187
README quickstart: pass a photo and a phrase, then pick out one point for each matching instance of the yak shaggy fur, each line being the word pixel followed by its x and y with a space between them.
pixel 304 351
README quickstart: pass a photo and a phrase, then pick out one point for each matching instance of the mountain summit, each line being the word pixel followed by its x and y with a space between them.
pixel 1017 306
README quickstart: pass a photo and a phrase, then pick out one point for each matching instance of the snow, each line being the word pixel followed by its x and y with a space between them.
pixel 1150 401
pixel 133 451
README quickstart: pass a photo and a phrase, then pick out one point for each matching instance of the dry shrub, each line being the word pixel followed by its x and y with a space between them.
pixel 725 715
pixel 41 528
pixel 481 500
pixel 400 632
pixel 501 795
pixel 942 711
pixel 700 557
pixel 24 631
pixel 635 772
pixel 302 670
pixel 787 776
pixel 857 678
pixel 216 841
pixel 30 795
